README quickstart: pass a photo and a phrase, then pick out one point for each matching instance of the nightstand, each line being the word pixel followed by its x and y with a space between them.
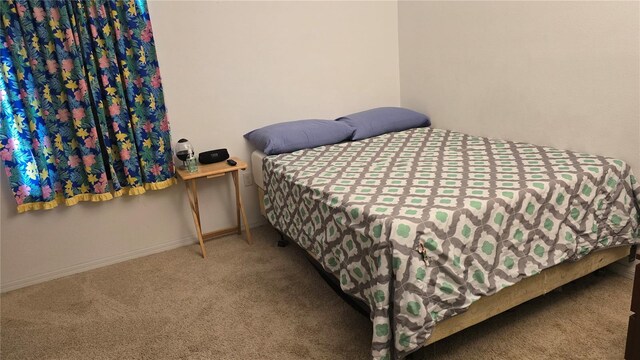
pixel 212 171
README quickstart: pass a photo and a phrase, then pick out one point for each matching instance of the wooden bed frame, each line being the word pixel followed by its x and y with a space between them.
pixel 525 290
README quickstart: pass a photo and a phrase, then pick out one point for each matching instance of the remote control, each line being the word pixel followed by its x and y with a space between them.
pixel 232 162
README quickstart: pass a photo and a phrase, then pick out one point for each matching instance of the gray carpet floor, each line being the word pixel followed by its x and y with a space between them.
pixel 265 302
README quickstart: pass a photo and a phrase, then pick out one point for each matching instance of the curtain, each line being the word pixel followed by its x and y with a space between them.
pixel 82 107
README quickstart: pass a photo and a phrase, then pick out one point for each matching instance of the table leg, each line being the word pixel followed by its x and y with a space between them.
pixel 240 207
pixel 192 193
pixel 236 184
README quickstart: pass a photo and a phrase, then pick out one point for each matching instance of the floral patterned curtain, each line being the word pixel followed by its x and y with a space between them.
pixel 81 102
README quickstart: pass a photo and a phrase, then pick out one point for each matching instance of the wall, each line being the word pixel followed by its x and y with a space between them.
pixel 565 74
pixel 227 67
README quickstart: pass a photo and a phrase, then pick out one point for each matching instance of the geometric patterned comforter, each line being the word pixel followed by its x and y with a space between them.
pixel 421 223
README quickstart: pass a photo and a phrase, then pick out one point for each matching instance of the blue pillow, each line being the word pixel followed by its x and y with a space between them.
pixel 383 120
pixel 295 135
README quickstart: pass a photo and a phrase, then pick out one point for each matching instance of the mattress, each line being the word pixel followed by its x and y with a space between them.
pixel 256 167
pixel 421 223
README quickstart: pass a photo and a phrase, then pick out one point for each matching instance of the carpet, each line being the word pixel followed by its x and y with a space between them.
pixel 265 302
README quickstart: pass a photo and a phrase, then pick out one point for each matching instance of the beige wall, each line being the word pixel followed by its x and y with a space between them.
pixel 566 74
pixel 227 67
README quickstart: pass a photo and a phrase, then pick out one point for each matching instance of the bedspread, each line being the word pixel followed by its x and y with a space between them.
pixel 421 223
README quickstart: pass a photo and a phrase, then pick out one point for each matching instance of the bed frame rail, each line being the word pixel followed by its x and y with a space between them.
pixel 527 289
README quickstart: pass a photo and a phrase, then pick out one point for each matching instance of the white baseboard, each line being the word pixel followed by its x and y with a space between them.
pixel 621 267
pixel 94 264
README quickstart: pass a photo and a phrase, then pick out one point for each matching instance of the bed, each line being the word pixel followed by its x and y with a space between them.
pixel 437 230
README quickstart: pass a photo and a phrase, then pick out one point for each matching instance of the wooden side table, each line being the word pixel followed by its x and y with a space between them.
pixel 211 171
